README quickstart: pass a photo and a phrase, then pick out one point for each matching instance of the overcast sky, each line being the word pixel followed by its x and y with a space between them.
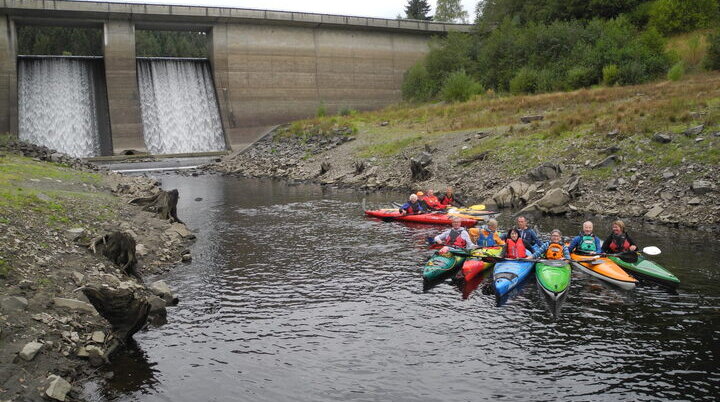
pixel 364 8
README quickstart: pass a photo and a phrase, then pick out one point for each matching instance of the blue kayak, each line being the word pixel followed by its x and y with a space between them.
pixel 508 274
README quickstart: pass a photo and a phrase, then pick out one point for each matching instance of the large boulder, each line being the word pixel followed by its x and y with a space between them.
pixel 555 202
pixel 546 171
pixel 513 195
pixel 572 186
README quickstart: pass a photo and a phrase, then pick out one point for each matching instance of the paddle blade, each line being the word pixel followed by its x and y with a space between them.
pixel 492 259
pixel 651 250
pixel 477 207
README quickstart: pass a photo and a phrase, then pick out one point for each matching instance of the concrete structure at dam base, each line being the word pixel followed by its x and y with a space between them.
pixel 269 67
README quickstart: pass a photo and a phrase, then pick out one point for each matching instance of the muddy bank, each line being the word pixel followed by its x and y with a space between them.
pixel 608 185
pixel 77 263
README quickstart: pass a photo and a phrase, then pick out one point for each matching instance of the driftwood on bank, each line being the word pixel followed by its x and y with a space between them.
pixel 164 203
pixel 118 247
pixel 126 311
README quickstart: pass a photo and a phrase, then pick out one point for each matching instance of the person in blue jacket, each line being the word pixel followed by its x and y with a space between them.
pixel 554 249
pixel 412 207
pixel 586 242
pixel 527 234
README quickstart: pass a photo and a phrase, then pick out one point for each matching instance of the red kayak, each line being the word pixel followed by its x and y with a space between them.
pixel 474 265
pixel 434 218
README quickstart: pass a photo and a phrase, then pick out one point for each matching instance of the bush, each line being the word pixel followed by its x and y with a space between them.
pixel 676 72
pixel 460 87
pixel 611 74
pixel 447 55
pixel 347 111
pixel 417 85
pixel 632 73
pixel 712 58
pixel 580 77
pixel 675 16
pixel 524 82
pixel 321 110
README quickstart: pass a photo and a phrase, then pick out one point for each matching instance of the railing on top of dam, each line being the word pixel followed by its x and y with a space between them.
pixel 68 8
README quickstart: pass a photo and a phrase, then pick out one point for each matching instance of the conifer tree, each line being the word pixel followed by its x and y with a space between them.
pixel 417 10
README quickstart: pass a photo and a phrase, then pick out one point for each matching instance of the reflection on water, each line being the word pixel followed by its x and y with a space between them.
pixel 294 295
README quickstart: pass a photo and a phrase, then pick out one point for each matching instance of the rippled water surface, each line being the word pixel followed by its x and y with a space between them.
pixel 294 295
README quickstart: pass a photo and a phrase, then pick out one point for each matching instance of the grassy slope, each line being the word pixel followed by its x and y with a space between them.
pixel 39 194
pixel 573 130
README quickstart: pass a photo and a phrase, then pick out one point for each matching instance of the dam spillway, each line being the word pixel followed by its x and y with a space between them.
pixel 179 107
pixel 62 104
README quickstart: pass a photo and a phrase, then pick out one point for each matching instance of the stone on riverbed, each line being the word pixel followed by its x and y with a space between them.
pixel 701 187
pixel 161 289
pixel 58 388
pixel 74 304
pixel 13 304
pixel 654 212
pixel 30 350
pixel 662 138
pixel 694 131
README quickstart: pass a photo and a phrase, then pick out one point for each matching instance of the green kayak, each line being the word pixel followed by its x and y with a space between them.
pixel 440 265
pixel 646 269
pixel 553 277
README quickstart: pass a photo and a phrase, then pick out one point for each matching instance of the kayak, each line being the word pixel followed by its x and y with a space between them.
pixel 431 218
pixel 508 274
pixel 553 277
pixel 605 269
pixel 474 265
pixel 649 270
pixel 440 265
pixel 478 213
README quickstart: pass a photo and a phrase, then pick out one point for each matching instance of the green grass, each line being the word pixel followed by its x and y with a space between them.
pixel 5 268
pixel 385 149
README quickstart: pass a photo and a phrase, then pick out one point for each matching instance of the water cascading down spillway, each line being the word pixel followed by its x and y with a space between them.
pixel 179 108
pixel 63 104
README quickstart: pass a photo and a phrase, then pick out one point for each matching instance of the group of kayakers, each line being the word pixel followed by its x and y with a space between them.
pixel 420 202
pixel 523 242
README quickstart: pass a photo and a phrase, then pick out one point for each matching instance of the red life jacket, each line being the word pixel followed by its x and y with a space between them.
pixel 447 200
pixel 432 202
pixel 515 249
pixel 455 239
pixel 619 244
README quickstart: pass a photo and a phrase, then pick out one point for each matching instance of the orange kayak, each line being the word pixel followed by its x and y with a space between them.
pixel 605 269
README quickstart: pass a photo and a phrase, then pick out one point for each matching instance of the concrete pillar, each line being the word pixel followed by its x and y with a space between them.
pixel 122 86
pixel 218 55
pixel 8 77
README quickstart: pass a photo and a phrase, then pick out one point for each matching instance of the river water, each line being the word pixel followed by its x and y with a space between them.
pixel 293 294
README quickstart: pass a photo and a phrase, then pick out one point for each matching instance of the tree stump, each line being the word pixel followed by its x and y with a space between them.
pixel 324 168
pixel 419 166
pixel 119 248
pixel 126 311
pixel 164 203
pixel 359 167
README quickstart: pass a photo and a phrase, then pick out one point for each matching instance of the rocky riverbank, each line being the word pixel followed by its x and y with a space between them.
pixel 76 268
pixel 668 177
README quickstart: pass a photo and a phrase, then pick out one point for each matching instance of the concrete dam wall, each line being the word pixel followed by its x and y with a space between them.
pixel 266 68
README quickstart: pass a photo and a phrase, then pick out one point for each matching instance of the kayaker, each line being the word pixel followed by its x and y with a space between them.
pixel 413 206
pixel 553 249
pixel 456 236
pixel 526 233
pixel 432 201
pixel 449 199
pixel 619 240
pixel 586 242
pixel 488 236
pixel 515 246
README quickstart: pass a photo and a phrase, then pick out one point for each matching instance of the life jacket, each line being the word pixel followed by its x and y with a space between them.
pixel 432 202
pixel 619 243
pixel 587 244
pixel 455 238
pixel 489 239
pixel 515 249
pixel 555 252
pixel 446 200
pixel 413 208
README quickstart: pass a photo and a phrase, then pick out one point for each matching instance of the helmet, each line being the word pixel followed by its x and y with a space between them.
pixel 419 193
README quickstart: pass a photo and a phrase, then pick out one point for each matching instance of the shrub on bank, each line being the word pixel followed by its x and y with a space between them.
pixel 712 58
pixel 460 87
pixel 676 72
pixel 611 74
pixel 417 85
pixel 524 82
